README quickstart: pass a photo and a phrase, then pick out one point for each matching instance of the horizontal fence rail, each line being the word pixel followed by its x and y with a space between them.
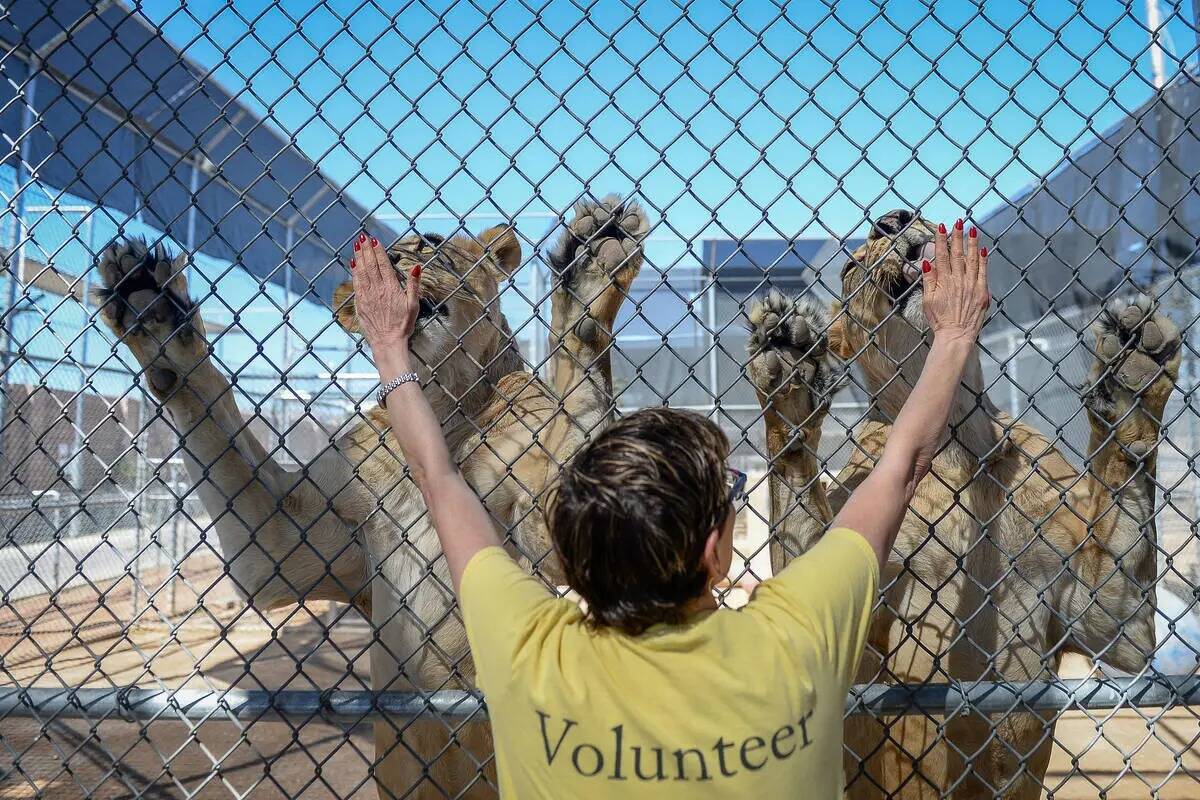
pixel 349 708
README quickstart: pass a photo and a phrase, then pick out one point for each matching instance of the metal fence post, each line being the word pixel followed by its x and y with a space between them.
pixel 281 404
pixel 57 582
pixel 78 473
pixel 710 295
pixel 535 291
pixel 144 479
pixel 16 270
pixel 1012 368
pixel 175 557
pixel 1191 399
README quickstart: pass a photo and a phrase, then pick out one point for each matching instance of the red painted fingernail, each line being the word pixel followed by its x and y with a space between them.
pixel 941 227
pixel 958 225
pixel 926 266
pixel 416 271
pixel 374 242
pixel 973 232
pixel 362 237
pixel 357 246
pixel 983 252
pixel 352 263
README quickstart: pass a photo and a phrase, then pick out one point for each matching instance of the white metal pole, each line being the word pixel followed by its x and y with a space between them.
pixel 1154 23
pixel 1193 385
pixel 711 302
pixel 535 291
pixel 1014 374
pixel 287 296
pixel 281 410
pixel 77 473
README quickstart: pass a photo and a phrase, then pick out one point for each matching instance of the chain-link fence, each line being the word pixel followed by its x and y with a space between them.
pixel 214 569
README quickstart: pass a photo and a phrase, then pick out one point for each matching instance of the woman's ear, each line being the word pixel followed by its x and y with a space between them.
pixel 343 307
pixel 712 556
pixel 501 244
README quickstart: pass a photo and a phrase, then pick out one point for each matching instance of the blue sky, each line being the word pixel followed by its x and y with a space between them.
pixel 737 121
pixel 727 121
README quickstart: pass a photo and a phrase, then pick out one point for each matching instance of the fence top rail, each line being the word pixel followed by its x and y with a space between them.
pixel 131 703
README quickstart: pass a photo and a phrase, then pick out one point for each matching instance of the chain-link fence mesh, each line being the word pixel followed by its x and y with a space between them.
pixel 1037 634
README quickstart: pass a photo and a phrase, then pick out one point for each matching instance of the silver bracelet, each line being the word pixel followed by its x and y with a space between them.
pixel 394 384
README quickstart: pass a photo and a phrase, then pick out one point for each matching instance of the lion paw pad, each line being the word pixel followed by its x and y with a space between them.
pixel 1135 342
pixel 603 236
pixel 788 347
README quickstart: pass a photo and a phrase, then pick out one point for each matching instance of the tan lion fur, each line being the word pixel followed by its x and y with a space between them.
pixel 993 576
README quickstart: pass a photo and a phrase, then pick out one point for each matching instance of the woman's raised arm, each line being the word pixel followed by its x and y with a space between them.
pixel 955 301
pixel 387 312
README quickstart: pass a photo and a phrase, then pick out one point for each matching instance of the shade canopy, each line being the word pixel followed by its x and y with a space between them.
pixel 107 110
pixel 1116 215
pixel 745 267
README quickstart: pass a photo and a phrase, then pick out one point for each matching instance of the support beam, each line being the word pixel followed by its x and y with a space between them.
pixel 354 708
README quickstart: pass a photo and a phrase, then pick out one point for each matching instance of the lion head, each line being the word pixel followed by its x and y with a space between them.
pixel 880 319
pixel 882 279
pixel 880 323
pixel 461 333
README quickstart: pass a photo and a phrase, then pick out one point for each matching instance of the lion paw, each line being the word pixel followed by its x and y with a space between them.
pixel 143 299
pixel 603 238
pixel 789 361
pixel 599 254
pixel 1137 358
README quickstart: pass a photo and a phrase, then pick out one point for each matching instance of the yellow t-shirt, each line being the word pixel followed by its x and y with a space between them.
pixel 736 704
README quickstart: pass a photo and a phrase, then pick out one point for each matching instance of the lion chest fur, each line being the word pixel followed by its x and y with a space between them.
pixel 412 603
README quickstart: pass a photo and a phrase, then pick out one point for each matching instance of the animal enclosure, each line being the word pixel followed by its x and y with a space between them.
pixel 215 574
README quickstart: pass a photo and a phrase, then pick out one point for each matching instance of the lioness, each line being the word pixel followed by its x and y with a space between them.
pixel 350 526
pixel 1008 556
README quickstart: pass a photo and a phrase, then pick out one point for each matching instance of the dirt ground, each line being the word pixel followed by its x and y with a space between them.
pixel 1127 754
pixel 102 639
pixel 111 638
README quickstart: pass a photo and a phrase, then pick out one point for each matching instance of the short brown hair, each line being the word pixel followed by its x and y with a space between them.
pixel 632 512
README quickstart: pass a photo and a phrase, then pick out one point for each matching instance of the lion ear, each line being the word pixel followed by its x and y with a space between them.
pixel 500 242
pixel 343 307
pixel 839 343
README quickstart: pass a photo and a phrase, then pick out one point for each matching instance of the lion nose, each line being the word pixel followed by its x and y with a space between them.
pixel 892 223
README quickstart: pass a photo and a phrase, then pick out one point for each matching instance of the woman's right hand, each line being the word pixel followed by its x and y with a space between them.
pixel 956 296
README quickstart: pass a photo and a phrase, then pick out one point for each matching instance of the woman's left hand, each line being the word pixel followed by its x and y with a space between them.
pixel 387 312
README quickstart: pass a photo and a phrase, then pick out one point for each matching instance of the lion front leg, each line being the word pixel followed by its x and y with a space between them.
pixel 595 261
pixel 534 428
pixel 795 381
pixel 1108 602
pixel 278 531
pixel 434 758
pixel 421 644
